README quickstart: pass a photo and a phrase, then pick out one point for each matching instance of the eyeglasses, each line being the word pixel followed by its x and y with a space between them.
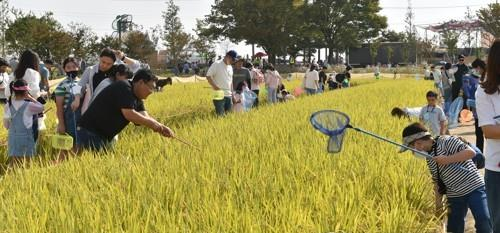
pixel 151 87
pixel 461 60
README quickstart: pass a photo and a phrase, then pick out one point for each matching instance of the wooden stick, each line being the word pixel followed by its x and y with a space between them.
pixel 46 111
pixel 187 143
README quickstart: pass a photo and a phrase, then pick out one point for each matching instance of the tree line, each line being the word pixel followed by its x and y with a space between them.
pixel 281 27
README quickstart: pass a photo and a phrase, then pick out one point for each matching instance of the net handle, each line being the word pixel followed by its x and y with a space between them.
pixel 389 141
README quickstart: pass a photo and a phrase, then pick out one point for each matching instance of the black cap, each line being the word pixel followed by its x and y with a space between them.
pixel 461 56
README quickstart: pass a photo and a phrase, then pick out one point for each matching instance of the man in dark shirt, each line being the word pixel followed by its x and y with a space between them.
pixel 322 78
pixel 241 74
pixel 115 107
pixel 462 69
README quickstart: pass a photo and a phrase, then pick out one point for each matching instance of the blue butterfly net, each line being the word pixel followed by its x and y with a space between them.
pixel 333 124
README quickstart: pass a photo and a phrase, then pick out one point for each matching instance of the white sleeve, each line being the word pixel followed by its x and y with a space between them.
pixel 84 81
pixel 7 86
pixel 33 79
pixel 212 71
pixel 135 66
pixel 485 108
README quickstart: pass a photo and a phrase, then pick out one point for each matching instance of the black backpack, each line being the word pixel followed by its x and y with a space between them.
pixel 478 159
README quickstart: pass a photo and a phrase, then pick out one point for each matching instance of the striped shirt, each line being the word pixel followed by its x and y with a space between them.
pixel 64 89
pixel 459 178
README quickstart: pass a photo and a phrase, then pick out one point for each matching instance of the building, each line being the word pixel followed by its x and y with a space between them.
pixel 361 57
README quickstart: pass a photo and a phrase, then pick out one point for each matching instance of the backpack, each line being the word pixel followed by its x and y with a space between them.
pixel 478 159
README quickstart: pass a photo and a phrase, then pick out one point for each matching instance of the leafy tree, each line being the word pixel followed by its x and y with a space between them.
pixel 138 45
pixel 410 39
pixel 268 24
pixel 42 34
pixel 450 38
pixel 108 41
pixel 346 23
pixel 490 18
pixel 84 41
pixel 203 44
pixel 392 36
pixel 175 39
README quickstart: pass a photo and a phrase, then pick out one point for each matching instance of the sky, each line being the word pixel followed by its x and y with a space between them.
pixel 99 14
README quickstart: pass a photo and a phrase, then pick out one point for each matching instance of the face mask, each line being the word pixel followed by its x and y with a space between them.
pixel 476 73
pixel 72 74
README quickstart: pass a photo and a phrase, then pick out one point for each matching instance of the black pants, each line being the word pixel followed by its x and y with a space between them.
pixel 455 89
pixel 256 103
pixel 479 135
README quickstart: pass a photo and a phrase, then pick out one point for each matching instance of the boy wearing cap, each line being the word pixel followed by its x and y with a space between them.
pixel 454 175
pixel 220 77
pixel 4 79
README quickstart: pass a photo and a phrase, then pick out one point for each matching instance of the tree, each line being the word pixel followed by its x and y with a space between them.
pixel 392 36
pixel 138 45
pixel 108 41
pixel 374 46
pixel 345 24
pixel 410 41
pixel 202 44
pixel 269 24
pixel 426 49
pixel 175 39
pixel 469 31
pixel 490 19
pixel 450 38
pixel 84 41
pixel 42 34
pixel 4 21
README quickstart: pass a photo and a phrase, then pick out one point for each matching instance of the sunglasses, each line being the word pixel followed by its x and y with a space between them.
pixel 461 60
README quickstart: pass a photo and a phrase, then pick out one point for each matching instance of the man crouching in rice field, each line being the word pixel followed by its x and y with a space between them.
pixel 116 106
pixel 455 175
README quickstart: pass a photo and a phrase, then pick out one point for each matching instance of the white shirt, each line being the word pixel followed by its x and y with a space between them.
pixel 32 77
pixel 437 76
pixel 413 112
pixel 488 107
pixel 311 76
pixel 222 76
pixel 31 109
pixel 4 83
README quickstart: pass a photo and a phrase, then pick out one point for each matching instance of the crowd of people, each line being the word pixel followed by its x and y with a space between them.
pixel 93 110
pixel 454 166
pixel 234 75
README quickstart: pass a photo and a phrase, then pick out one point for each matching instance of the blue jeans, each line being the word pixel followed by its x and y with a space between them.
pixel 272 96
pixel 91 141
pixel 223 106
pixel 492 180
pixel 310 91
pixel 457 211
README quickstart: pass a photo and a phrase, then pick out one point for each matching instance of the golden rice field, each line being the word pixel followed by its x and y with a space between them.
pixel 263 171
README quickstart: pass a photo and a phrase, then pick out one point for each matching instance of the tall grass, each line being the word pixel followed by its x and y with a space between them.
pixel 264 171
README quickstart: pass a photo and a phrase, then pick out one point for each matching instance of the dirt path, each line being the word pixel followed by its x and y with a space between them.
pixel 467 131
